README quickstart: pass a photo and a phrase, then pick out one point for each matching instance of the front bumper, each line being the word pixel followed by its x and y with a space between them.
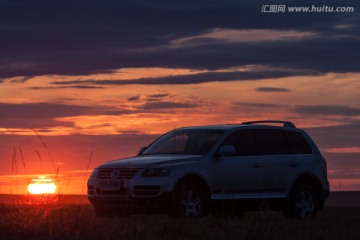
pixel 130 192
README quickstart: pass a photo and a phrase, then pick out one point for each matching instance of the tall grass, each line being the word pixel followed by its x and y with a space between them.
pixel 45 147
pixel 58 221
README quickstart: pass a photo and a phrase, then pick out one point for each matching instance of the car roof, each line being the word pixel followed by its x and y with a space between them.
pixel 254 124
pixel 212 127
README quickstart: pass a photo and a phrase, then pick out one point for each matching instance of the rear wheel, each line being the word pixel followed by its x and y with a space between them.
pixel 190 201
pixel 303 203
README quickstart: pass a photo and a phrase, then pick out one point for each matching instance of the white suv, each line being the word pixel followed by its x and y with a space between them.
pixel 223 169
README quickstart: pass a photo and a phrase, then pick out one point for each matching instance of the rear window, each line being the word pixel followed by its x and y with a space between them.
pixel 252 142
pixel 271 142
pixel 278 142
pixel 297 142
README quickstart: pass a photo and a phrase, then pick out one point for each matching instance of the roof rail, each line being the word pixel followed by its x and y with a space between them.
pixel 286 123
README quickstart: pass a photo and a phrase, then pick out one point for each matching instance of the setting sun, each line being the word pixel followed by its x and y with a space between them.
pixel 41 185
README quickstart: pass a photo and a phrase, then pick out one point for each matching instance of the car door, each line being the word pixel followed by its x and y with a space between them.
pixel 278 162
pixel 238 176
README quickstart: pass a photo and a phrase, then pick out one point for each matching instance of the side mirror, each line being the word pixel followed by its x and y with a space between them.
pixel 226 151
pixel 142 150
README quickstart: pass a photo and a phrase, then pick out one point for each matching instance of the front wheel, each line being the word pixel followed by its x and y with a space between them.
pixel 190 201
pixel 303 203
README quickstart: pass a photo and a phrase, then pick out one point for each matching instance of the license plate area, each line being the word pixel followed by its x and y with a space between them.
pixel 110 184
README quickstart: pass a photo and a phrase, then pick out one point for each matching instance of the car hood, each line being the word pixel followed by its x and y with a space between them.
pixel 145 161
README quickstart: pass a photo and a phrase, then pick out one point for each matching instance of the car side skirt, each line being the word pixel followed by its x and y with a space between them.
pixel 247 196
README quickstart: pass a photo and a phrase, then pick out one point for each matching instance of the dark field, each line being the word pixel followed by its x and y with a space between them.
pixel 54 220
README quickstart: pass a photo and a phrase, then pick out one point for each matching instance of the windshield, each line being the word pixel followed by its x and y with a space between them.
pixel 186 141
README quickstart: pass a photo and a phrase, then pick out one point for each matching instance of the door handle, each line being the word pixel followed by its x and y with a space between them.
pixel 293 164
pixel 256 165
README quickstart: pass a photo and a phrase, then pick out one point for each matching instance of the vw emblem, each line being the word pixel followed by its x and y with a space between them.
pixel 115 174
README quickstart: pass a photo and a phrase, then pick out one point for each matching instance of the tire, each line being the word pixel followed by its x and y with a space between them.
pixel 303 203
pixel 190 201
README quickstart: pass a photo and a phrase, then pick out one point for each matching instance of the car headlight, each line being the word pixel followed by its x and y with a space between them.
pixel 156 172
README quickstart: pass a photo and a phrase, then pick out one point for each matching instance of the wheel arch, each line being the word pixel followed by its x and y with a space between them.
pixel 190 180
pixel 193 179
pixel 312 180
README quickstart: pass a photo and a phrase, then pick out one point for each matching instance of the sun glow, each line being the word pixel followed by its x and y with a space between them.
pixel 41 185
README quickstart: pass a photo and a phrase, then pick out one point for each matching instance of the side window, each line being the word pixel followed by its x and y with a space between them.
pixel 243 141
pixel 298 143
pixel 271 142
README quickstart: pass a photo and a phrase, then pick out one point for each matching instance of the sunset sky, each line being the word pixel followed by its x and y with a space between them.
pixel 85 82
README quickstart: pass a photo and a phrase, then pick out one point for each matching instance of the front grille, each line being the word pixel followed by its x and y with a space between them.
pixel 121 192
pixel 146 190
pixel 117 173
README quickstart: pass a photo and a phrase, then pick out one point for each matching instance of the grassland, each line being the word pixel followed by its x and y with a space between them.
pixel 77 221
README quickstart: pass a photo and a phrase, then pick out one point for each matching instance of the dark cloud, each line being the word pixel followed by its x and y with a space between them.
pixel 310 110
pixel 74 86
pixel 43 114
pixel 32 123
pixel 346 135
pixel 41 110
pixel 34 115
pixel 153 97
pixel 134 98
pixel 319 54
pixel 258 110
pixel 272 89
pixel 327 110
pixel 167 105
pixel 305 110
pixel 195 78
pixel 162 101
pixel 159 96
pixel 255 105
pixel 82 37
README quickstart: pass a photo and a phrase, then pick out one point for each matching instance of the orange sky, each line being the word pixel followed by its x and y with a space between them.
pixel 98 134
pixel 98 89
